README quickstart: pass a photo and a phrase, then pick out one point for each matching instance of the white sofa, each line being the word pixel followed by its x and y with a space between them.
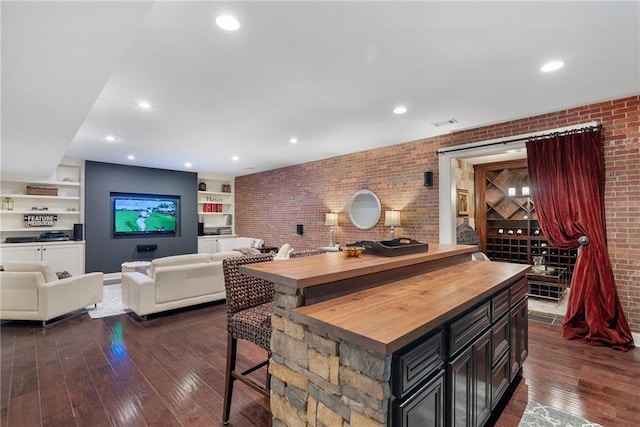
pixel 32 291
pixel 175 282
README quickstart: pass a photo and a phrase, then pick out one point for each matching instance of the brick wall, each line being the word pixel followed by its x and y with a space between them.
pixel 270 204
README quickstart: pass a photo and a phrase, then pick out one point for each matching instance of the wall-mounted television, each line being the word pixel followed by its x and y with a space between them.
pixel 144 215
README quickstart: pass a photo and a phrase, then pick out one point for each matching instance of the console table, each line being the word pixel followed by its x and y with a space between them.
pixel 549 284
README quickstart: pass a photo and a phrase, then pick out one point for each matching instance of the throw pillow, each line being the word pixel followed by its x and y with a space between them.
pixel 63 274
pixel 247 251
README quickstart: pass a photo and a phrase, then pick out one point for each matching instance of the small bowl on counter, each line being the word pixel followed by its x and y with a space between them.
pixel 352 251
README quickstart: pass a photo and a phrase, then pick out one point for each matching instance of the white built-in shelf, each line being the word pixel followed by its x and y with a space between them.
pixel 47 212
pixel 38 196
pixel 46 183
pixel 215 193
pixel 41 229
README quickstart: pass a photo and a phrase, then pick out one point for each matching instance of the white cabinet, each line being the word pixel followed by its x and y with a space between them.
pixel 63 205
pixel 61 256
pixel 216 203
pixel 209 244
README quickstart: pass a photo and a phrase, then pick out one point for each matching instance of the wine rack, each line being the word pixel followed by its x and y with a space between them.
pixel 507 222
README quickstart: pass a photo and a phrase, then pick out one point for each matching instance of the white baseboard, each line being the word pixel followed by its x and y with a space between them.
pixel 636 338
pixel 112 278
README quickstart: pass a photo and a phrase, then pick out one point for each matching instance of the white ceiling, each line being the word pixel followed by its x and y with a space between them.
pixel 328 73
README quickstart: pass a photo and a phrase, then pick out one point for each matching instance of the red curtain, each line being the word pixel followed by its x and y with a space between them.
pixel 566 173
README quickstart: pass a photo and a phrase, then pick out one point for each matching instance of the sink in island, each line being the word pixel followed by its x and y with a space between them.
pixel 416 340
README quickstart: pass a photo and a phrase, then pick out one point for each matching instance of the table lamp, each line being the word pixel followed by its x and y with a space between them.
pixel 331 219
pixel 392 219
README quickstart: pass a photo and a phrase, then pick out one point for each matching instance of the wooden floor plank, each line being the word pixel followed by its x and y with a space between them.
pixel 169 370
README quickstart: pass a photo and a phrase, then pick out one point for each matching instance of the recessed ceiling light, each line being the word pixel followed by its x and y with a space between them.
pixel 187 165
pixel 110 138
pixel 293 140
pixel 227 22
pixel 144 105
pixel 131 157
pixel 400 109
pixel 552 66
pixel 235 158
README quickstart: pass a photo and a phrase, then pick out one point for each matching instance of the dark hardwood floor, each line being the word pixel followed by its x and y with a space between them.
pixel 169 371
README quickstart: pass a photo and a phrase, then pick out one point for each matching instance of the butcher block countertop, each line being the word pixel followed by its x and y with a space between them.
pixel 388 317
pixel 334 266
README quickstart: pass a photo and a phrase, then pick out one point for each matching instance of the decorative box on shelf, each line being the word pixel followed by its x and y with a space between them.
pixel 39 190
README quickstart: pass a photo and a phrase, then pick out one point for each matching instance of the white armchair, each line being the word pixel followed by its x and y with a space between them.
pixel 32 291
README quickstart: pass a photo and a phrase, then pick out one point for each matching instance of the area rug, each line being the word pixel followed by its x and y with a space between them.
pixel 536 415
pixel 111 304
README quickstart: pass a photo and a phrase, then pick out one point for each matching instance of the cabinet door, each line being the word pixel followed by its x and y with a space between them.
pixel 424 408
pixel 519 339
pixel 63 258
pixel 482 357
pixel 207 246
pixel 523 330
pixel 21 253
pixel 460 390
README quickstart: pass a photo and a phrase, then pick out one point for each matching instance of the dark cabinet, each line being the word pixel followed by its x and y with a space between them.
pixel 457 375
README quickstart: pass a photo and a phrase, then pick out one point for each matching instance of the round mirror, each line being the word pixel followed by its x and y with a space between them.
pixel 364 209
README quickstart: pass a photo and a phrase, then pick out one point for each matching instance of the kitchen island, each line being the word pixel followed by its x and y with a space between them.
pixel 424 339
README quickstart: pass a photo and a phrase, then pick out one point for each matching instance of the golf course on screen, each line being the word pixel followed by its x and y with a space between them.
pixel 132 216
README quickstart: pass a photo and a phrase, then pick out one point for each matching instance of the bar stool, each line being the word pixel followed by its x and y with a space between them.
pixel 249 309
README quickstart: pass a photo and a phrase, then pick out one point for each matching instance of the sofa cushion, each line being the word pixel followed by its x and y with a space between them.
pixel 170 261
pixel 244 242
pixel 37 266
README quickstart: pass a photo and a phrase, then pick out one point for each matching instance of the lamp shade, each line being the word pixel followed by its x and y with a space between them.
pixel 392 218
pixel 331 219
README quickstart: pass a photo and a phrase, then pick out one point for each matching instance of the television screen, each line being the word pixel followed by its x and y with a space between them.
pixel 145 215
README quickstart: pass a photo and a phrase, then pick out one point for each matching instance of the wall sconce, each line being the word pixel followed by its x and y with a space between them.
pixel 525 191
pixel 331 219
pixel 428 179
pixel 392 219
pixel 511 191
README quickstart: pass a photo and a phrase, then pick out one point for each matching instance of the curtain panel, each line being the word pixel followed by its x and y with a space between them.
pixel 566 173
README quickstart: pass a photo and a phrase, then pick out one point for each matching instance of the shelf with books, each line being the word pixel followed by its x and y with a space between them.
pixel 215 201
